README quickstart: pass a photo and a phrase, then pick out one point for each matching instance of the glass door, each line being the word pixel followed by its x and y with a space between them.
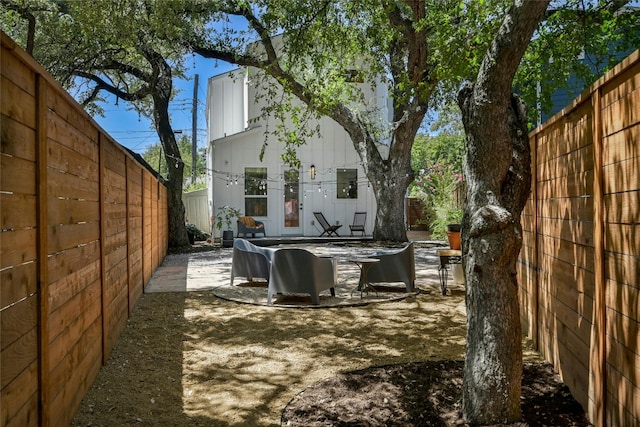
pixel 292 205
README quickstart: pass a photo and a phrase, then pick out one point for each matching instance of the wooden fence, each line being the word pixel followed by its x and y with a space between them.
pixel 83 226
pixel 580 262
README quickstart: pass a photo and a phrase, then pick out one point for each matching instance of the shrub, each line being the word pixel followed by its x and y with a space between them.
pixel 439 186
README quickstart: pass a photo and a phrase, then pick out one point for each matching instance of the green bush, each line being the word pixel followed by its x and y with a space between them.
pixel 198 234
pixel 439 186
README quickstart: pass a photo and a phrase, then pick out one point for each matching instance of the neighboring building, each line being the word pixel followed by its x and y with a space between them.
pixel 331 179
pixel 596 63
pixel 564 96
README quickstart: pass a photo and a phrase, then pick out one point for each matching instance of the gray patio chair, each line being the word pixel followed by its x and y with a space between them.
pixel 359 220
pixel 248 225
pixel 250 261
pixel 300 271
pixel 394 266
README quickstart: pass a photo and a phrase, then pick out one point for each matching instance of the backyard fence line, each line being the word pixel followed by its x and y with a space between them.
pixel 579 266
pixel 83 227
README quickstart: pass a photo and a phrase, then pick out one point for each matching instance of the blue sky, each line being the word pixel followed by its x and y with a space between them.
pixel 137 133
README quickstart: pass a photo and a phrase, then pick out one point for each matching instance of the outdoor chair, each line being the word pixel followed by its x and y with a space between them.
pixel 394 266
pixel 250 261
pixel 248 225
pixel 359 220
pixel 299 271
pixel 328 228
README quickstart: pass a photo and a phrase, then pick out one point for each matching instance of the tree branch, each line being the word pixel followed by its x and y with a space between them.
pixel 499 65
pixel 126 68
pixel 101 84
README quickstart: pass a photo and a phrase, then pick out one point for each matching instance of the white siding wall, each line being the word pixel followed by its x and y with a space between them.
pixel 227 104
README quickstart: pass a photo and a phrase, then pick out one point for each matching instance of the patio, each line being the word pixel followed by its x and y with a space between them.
pixel 211 270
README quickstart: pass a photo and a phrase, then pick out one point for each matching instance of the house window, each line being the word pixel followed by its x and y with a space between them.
pixel 347 184
pixel 255 191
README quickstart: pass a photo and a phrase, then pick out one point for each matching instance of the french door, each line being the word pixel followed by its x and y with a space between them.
pixel 291 203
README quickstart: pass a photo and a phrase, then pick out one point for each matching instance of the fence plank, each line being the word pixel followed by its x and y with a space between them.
pixel 17 247
pixel 622 113
pixel 67 236
pixel 63 133
pixel 68 262
pixel 18 211
pixel 65 321
pixel 72 187
pixel 16 70
pixel 621 146
pixel 18 355
pixel 16 139
pixel 623 176
pixel 66 160
pixel 72 211
pixel 622 207
pixel 20 399
pixel 17 103
pixel 17 175
pixel 17 283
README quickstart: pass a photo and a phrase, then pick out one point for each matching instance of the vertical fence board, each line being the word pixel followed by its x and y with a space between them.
pixel 598 362
pixel 42 244
pixel 134 233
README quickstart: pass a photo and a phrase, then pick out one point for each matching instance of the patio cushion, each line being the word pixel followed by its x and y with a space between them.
pixel 250 222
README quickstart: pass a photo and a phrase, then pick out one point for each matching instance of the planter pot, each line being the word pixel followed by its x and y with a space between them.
pixel 454 240
pixel 227 238
pixel 453 235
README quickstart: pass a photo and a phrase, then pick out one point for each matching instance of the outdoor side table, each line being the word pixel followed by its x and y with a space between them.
pixel 447 258
pixel 364 264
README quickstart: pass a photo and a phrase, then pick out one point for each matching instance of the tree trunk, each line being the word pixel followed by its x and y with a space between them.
pixel 178 237
pixel 389 178
pixel 492 238
pixel 389 194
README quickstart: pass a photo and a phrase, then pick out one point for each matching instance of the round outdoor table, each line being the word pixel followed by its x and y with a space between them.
pixel 364 264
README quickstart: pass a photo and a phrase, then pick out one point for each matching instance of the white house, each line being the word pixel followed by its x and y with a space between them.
pixel 330 181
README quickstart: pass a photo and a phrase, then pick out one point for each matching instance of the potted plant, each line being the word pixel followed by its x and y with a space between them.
pixel 453 228
pixel 225 216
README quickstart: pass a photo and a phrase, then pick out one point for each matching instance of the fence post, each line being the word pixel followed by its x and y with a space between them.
pixel 43 251
pixel 128 236
pixel 535 268
pixel 103 227
pixel 598 361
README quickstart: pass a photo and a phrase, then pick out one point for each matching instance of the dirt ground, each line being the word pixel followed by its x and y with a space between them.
pixel 192 359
